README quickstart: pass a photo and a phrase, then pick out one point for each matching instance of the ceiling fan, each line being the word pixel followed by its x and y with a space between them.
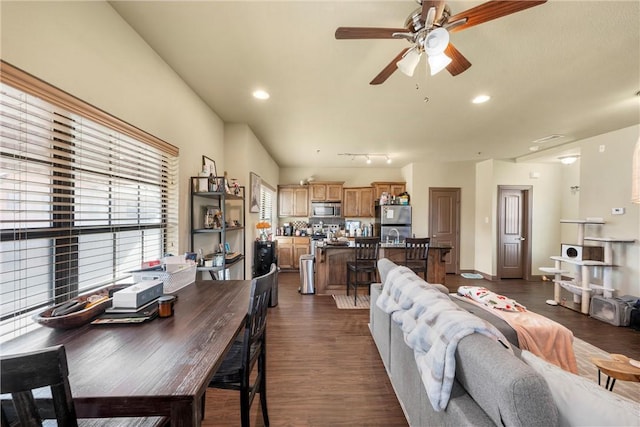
pixel 428 28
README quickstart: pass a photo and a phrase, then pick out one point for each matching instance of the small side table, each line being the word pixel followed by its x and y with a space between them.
pixel 616 368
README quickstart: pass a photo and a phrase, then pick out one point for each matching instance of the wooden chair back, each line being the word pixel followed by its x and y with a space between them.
pixel 367 249
pixel 25 372
pixel 416 249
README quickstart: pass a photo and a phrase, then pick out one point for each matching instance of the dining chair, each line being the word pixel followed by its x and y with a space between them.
pixel 22 373
pixel 249 352
pixel 415 254
pixel 362 271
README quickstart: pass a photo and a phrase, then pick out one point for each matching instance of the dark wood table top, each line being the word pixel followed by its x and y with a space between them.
pixel 157 368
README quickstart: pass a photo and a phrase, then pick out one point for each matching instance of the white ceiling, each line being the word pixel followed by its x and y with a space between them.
pixel 564 67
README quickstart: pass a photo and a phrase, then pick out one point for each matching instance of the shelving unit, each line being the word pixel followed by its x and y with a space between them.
pixel 580 286
pixel 210 193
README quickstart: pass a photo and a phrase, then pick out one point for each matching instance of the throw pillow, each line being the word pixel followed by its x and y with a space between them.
pixel 582 402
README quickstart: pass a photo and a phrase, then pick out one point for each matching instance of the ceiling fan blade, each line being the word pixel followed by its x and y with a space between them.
pixel 490 10
pixel 426 5
pixel 459 63
pixel 367 32
pixel 388 70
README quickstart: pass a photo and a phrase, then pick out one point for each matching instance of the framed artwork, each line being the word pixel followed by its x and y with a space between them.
pixel 255 182
pixel 209 165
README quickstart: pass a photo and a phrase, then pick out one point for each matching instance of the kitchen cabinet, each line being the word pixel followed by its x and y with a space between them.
pixel 289 250
pixel 293 201
pixel 301 246
pixel 217 221
pixel 358 202
pixel 285 252
pixel 326 191
pixel 392 188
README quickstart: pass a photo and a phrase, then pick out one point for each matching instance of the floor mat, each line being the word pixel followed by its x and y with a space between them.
pixel 346 302
pixel 471 275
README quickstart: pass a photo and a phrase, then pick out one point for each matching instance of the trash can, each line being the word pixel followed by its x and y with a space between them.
pixel 306 274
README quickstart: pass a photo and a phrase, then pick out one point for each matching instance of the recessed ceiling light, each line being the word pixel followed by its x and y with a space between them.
pixel 261 94
pixel 480 99
pixel 568 160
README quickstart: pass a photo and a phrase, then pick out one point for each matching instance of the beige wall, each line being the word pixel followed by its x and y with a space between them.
pixel 545 216
pixel 86 49
pixel 456 175
pixel 245 154
pixel 352 177
pixel 605 183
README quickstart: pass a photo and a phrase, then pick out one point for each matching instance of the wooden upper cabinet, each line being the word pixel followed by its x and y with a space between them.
pixel 391 188
pixel 358 202
pixel 366 202
pixel 293 201
pixel 326 191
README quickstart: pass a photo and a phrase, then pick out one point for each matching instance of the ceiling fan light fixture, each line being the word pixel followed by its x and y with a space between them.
pixel 438 63
pixel 409 62
pixel 436 41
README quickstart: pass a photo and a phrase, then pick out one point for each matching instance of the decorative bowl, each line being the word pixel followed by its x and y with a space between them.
pixel 77 318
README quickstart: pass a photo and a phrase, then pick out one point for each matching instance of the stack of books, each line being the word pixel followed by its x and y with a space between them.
pixel 135 304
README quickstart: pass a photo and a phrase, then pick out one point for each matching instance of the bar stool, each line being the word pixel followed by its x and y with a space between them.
pixel 366 249
pixel 415 254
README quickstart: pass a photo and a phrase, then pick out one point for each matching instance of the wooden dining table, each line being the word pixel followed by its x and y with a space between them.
pixel 158 368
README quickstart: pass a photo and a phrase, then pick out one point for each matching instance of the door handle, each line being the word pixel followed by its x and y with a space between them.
pixel 522 238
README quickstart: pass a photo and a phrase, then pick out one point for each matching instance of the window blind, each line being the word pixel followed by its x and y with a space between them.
pixel 267 195
pixel 82 201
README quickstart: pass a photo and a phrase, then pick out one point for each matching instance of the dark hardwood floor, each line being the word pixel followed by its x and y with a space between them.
pixel 323 367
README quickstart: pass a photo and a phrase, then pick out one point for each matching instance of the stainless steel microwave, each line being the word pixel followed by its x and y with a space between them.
pixel 326 210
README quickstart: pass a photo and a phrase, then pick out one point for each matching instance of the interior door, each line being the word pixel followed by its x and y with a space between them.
pixel 444 224
pixel 513 232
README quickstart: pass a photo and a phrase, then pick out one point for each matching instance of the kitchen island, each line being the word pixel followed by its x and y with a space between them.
pixel 331 265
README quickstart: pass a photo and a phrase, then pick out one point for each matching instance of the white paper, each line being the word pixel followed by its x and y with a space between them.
pixel 389 214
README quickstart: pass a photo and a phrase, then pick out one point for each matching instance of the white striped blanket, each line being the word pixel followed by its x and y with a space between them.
pixel 432 325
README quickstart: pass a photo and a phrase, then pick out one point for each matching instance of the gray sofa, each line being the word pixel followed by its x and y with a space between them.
pixel 492 386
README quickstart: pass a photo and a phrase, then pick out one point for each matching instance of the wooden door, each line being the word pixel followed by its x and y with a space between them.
pixel 513 232
pixel 285 201
pixel 285 252
pixel 366 202
pixel 444 224
pixel 318 192
pixel 350 203
pixel 334 192
pixel 301 202
pixel 396 189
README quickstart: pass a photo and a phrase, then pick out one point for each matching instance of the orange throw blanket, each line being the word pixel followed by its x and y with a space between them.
pixel 543 337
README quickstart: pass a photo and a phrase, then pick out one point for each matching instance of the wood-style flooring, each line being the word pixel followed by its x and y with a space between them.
pixel 323 368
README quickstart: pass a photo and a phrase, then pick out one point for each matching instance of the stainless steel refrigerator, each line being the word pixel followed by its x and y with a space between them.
pixel 393 223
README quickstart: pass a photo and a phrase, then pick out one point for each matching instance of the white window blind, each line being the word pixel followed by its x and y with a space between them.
pixel 267 195
pixel 82 201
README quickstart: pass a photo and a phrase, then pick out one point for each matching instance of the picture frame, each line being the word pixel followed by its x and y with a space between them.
pixel 209 165
pixel 254 198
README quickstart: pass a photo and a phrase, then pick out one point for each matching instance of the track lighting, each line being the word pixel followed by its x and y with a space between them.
pixel 409 61
pixel 368 157
pixel 434 45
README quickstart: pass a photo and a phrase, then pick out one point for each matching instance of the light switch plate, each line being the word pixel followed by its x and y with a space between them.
pixel 617 211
